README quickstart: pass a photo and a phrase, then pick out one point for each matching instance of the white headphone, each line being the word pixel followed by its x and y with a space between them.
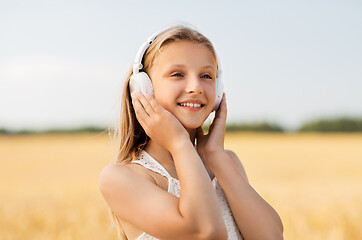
pixel 140 81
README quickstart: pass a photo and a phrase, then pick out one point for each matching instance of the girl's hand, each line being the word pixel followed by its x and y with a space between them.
pixel 213 142
pixel 159 124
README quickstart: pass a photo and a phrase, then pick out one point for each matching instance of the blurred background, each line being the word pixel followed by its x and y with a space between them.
pixel 293 78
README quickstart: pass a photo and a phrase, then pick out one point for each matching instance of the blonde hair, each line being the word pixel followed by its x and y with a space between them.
pixel 128 133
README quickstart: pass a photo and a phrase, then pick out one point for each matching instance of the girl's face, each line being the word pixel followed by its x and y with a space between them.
pixel 183 78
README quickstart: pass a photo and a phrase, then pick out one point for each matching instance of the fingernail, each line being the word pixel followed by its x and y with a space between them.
pixel 133 95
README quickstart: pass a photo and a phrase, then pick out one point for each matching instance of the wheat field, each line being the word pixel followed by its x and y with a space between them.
pixel 49 184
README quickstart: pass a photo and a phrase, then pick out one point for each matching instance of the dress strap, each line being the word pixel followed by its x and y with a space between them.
pixel 150 163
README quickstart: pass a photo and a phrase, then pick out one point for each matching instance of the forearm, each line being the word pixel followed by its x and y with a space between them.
pixel 198 200
pixel 255 218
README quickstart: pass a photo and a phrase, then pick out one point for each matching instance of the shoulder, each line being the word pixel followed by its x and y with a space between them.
pixel 113 176
pixel 237 163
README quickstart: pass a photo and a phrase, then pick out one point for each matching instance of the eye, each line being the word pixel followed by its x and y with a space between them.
pixel 177 75
pixel 206 76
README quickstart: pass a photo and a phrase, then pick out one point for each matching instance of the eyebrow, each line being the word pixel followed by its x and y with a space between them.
pixel 182 66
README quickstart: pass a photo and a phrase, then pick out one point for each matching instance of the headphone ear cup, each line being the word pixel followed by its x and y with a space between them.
pixel 218 95
pixel 141 82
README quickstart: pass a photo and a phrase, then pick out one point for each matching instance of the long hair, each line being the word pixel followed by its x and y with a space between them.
pixel 128 133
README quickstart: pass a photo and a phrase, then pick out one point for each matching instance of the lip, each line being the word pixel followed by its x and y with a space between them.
pixel 188 108
pixel 193 101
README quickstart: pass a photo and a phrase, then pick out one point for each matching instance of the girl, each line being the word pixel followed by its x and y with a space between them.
pixel 163 185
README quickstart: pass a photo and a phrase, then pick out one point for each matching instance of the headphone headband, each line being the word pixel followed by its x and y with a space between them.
pixel 137 65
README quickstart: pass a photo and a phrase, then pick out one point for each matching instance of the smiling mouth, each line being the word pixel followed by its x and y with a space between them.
pixel 191 105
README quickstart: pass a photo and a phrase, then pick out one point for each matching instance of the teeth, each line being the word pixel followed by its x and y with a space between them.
pixel 190 104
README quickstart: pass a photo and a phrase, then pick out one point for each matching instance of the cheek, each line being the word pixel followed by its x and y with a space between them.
pixel 211 91
pixel 211 94
pixel 164 96
pixel 165 90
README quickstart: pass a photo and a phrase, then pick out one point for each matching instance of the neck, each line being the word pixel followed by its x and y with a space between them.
pixel 161 154
pixel 192 133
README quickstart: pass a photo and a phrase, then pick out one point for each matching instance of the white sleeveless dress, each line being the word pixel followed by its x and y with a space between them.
pixel 150 163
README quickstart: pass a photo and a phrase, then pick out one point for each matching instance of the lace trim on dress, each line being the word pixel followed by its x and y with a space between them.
pixel 150 163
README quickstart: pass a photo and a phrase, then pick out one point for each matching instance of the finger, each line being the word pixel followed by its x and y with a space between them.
pixel 212 126
pixel 153 102
pixel 141 114
pixel 146 105
pixel 222 110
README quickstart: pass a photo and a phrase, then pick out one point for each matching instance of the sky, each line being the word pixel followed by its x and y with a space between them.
pixel 62 63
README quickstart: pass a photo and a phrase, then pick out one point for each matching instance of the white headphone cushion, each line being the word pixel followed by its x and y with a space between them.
pixel 141 82
pixel 218 95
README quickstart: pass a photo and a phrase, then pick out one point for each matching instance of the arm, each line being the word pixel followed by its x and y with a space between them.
pixel 255 218
pixel 198 201
pixel 138 200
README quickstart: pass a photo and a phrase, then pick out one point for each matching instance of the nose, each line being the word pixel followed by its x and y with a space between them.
pixel 194 85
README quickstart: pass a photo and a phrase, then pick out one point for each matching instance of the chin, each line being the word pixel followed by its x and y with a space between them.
pixel 191 126
pixel 192 122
